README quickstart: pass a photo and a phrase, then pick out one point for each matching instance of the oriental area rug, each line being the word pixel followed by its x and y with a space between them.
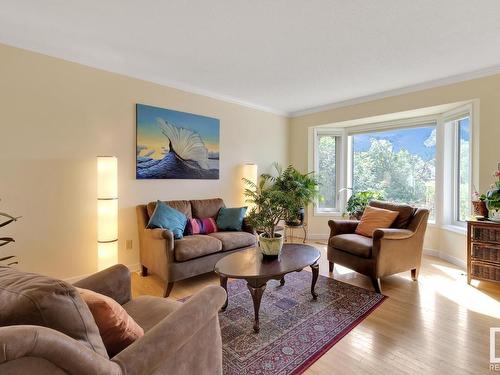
pixel 295 330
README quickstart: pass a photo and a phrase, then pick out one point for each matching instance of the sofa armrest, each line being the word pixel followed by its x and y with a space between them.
pixel 342 226
pixel 61 351
pixel 113 282
pixel 162 342
pixel 392 234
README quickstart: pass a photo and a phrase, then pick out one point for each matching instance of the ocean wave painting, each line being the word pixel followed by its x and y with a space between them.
pixel 176 145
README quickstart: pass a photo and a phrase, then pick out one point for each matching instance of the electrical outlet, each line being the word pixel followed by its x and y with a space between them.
pixel 129 244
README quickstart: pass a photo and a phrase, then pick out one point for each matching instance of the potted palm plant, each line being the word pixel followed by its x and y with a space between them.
pixel 301 188
pixel 275 198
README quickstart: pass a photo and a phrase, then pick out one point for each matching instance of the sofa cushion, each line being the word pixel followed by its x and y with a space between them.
pixel 191 247
pixel 405 215
pixel 231 218
pixel 204 208
pixel 148 311
pixel 117 328
pixel 182 206
pixel 31 299
pixel 169 218
pixel 234 240
pixel 354 244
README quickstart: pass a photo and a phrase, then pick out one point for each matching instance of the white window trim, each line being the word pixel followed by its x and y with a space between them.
pixel 444 200
pixel 339 168
pixel 450 187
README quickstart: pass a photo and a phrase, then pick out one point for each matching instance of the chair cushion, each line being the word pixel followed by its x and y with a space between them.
pixel 374 218
pixel 231 218
pixel 118 329
pixel 191 247
pixel 148 311
pixel 169 218
pixel 354 244
pixel 203 208
pixel 406 212
pixel 182 206
pixel 31 299
pixel 234 240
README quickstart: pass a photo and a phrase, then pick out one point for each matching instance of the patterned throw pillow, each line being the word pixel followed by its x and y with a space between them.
pixel 201 226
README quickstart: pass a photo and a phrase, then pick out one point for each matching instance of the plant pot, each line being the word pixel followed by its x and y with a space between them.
pixel 299 220
pixel 270 247
pixel 479 209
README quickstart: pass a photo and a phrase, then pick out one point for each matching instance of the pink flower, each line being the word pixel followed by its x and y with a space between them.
pixel 496 174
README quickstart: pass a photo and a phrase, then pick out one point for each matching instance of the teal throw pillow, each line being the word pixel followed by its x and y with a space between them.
pixel 169 218
pixel 231 218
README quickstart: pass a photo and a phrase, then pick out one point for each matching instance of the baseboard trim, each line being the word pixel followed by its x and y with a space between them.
pixel 317 236
pixel 71 280
pixel 449 258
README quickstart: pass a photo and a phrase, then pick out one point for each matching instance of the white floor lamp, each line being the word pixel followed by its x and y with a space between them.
pixel 107 211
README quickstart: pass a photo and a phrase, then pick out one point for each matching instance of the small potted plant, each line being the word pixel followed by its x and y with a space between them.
pixel 359 200
pixel 493 198
pixel 479 208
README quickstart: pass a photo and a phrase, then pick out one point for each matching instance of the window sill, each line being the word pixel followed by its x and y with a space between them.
pixel 455 229
pixel 327 214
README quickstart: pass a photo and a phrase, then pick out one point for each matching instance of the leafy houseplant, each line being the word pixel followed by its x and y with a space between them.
pixel 275 198
pixel 6 240
pixel 359 200
pixel 301 189
pixel 493 198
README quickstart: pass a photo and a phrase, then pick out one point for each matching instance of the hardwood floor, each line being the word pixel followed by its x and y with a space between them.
pixel 438 325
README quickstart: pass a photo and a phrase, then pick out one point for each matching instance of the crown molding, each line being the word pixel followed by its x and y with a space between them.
pixel 492 70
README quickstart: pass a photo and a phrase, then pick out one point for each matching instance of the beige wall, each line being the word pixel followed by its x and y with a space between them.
pixel 56 116
pixel 487 90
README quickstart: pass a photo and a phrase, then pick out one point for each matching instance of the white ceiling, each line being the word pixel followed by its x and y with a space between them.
pixel 281 55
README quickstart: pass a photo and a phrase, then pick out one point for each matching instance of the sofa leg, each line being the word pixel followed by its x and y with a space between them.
pixel 376 284
pixel 144 270
pixel 414 274
pixel 168 289
pixel 330 266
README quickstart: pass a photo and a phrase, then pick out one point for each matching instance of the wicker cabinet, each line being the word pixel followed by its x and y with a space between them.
pixel 483 251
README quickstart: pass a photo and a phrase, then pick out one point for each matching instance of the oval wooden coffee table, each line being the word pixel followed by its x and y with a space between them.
pixel 249 265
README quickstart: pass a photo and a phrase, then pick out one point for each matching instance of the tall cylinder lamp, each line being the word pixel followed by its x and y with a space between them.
pixel 107 211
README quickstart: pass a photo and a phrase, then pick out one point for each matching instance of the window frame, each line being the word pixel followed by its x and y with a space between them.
pixel 339 135
pixel 446 199
pixel 450 123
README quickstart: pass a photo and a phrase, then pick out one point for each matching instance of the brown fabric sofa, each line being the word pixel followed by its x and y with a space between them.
pixel 46 328
pixel 174 260
pixel 390 251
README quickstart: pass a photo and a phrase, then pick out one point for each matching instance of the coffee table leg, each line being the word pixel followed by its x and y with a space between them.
pixel 315 272
pixel 223 283
pixel 282 280
pixel 256 297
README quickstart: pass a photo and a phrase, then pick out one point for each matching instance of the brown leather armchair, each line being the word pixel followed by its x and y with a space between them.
pixel 179 338
pixel 390 251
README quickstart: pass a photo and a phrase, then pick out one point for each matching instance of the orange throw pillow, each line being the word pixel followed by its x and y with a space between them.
pixel 374 218
pixel 117 328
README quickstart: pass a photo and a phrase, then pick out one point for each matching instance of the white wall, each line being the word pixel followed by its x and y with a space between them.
pixel 56 116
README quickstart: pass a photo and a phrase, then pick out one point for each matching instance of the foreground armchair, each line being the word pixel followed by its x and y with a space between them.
pixel 389 251
pixel 180 338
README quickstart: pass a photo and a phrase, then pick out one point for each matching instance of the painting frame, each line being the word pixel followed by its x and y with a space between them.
pixel 172 144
